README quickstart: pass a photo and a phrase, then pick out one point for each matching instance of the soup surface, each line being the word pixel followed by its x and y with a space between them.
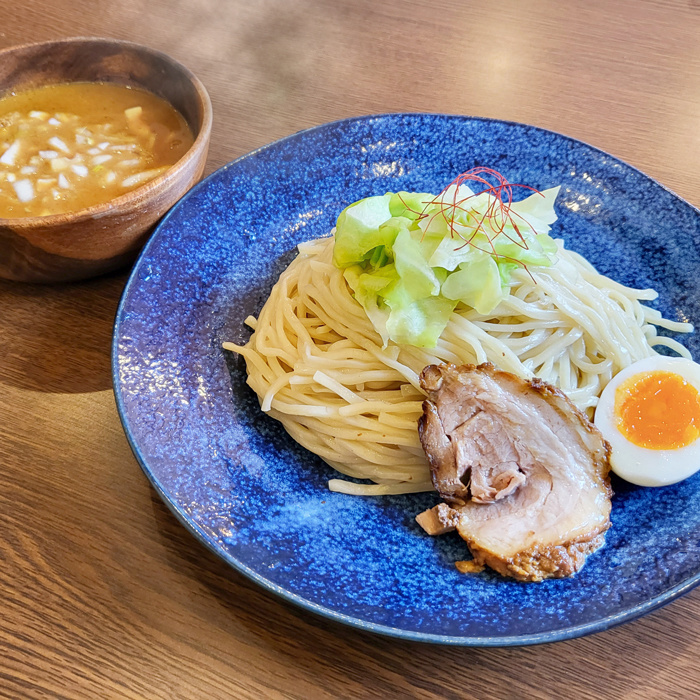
pixel 71 146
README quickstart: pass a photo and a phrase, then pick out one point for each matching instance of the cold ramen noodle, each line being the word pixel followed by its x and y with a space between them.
pixel 70 146
pixel 460 311
pixel 410 280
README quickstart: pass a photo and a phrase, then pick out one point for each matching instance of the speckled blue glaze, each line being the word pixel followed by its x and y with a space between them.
pixel 258 500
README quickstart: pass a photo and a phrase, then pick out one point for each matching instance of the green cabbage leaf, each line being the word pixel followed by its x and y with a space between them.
pixel 411 257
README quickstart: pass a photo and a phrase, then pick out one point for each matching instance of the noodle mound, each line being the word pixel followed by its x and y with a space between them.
pixel 318 365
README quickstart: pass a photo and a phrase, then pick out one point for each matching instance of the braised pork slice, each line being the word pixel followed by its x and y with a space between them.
pixel 523 472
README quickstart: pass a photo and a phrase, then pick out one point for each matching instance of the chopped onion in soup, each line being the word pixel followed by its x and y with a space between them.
pixel 71 146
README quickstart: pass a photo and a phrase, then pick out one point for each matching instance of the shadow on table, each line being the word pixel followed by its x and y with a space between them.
pixel 336 657
pixel 57 338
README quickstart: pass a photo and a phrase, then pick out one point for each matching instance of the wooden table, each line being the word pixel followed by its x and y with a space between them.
pixel 103 594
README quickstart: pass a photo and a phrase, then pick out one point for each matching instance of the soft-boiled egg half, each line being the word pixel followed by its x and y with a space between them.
pixel 650 415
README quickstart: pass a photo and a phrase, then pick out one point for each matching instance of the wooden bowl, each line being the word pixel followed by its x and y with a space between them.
pixel 102 238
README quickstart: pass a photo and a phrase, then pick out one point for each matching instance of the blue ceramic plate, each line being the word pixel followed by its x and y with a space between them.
pixel 255 498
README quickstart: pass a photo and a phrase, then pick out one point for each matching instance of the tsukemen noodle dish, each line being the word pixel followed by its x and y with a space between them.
pixel 451 343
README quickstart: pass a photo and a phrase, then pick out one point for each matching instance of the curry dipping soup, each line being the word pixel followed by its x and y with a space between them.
pixel 71 146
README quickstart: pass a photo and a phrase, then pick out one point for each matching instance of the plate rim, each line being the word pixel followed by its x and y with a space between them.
pixel 555 635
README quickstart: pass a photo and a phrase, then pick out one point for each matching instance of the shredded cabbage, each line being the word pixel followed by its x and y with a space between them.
pixel 410 258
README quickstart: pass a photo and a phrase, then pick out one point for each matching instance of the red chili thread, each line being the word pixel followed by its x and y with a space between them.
pixel 498 214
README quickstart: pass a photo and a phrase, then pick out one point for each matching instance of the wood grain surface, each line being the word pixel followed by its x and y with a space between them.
pixel 102 593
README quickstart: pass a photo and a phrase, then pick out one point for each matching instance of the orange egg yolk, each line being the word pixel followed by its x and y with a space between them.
pixel 658 410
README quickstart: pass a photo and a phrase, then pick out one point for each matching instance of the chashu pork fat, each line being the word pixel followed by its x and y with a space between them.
pixel 523 472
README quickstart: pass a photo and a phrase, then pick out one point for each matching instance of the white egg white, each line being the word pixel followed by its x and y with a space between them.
pixel 640 465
